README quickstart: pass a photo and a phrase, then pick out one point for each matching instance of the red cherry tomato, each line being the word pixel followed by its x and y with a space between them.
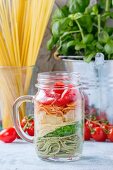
pixel 49 97
pixel 64 98
pixel 105 127
pixel 30 131
pixel 58 87
pixel 57 98
pixel 99 135
pixel 23 122
pixel 27 123
pixel 110 135
pixel 87 133
pixel 18 137
pixel 68 96
pixel 30 128
pixel 8 135
pixel 91 124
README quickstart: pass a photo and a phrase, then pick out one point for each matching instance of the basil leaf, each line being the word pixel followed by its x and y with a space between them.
pixel 60 26
pixel 103 37
pixel 88 38
pixel 77 5
pixel 86 22
pixel 56 29
pixel 89 57
pixel 65 10
pixel 51 43
pixel 58 14
pixel 109 47
pixel 99 46
pixel 65 130
pixel 79 46
pixel 71 43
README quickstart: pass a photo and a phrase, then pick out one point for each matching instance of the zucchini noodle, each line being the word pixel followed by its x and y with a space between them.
pixel 63 147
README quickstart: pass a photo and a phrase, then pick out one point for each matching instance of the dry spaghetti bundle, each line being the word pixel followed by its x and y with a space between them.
pixel 22 27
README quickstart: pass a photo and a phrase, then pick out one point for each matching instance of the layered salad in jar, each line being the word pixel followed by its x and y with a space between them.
pixel 59 122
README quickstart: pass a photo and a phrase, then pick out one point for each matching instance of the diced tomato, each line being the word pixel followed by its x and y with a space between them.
pixel 48 97
pixel 68 96
pixel 58 87
pixel 52 96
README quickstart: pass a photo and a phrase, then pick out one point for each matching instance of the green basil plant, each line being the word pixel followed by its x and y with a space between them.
pixel 79 29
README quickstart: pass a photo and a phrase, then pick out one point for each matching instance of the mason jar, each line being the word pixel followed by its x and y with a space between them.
pixel 58 116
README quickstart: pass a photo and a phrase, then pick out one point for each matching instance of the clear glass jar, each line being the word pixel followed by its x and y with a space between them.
pixel 15 82
pixel 58 116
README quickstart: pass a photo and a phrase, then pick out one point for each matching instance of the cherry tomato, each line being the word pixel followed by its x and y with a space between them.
pixel 68 96
pixel 27 122
pixel 110 135
pixel 30 131
pixel 58 87
pixel 91 124
pixel 87 133
pixel 105 127
pixel 23 126
pixel 57 98
pixel 110 126
pixel 18 137
pixel 30 128
pixel 49 97
pixel 8 135
pixel 99 135
pixel 23 122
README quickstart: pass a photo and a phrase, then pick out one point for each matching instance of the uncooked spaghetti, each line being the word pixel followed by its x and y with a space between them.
pixel 22 27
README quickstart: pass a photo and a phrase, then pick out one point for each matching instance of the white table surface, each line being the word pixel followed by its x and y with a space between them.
pixel 21 156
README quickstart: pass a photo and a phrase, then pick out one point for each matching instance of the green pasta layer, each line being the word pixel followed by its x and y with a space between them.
pixel 64 142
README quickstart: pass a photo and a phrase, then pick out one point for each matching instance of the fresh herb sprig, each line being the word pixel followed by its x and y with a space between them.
pixel 82 30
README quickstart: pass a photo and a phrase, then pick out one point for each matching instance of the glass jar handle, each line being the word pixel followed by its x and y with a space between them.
pixel 16 120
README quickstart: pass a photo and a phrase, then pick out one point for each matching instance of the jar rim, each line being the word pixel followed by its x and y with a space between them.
pixel 45 79
pixel 58 73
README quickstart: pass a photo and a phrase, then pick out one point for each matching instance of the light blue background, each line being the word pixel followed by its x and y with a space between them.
pixel 21 156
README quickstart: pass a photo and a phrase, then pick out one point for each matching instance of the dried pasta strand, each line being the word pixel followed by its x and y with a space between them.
pixel 22 27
